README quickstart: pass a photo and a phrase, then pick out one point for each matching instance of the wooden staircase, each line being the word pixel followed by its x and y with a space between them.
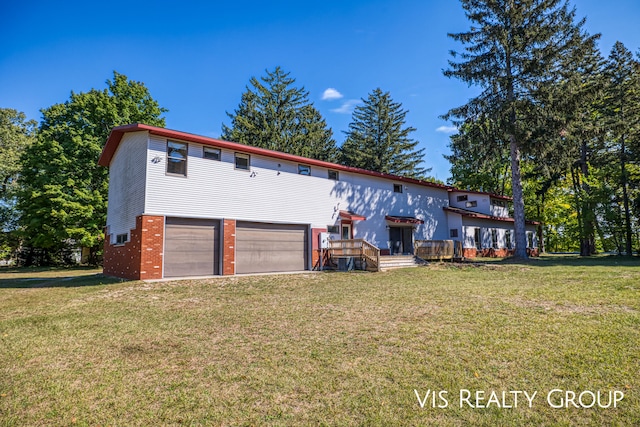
pixel 388 262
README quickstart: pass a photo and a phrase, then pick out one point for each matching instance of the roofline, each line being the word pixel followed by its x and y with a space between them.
pixel 472 214
pixel 117 133
pixel 495 196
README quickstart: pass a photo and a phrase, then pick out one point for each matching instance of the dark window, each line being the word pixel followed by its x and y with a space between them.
pixel 507 238
pixel 334 175
pixel 304 170
pixel 471 204
pixel 397 188
pixel 121 239
pixel 211 153
pixel 462 198
pixel 242 161
pixel 334 229
pixel 530 239
pixel 500 203
pixel 177 158
pixel 477 238
pixel 453 232
pixel 494 238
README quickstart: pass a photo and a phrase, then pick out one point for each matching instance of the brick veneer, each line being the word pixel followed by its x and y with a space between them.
pixel 229 247
pixel 315 248
pixel 140 257
pixel 493 253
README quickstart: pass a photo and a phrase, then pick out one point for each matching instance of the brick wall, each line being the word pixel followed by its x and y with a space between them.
pixel 152 246
pixel 229 247
pixel 141 256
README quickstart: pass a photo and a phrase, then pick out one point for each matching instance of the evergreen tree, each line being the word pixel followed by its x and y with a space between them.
pixel 514 51
pixel 378 139
pixel 273 114
pixel 621 108
pixel 64 192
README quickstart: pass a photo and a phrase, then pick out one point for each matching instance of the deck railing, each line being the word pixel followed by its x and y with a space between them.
pixel 438 249
pixel 358 248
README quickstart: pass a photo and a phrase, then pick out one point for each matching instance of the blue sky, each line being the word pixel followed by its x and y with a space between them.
pixel 197 57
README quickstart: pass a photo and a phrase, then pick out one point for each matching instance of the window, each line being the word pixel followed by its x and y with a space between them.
pixel 334 229
pixel 462 198
pixel 397 188
pixel 304 170
pixel 121 239
pixel 211 153
pixel 494 238
pixel 471 204
pixel 530 239
pixel 476 238
pixel 507 238
pixel 177 158
pixel 242 161
pixel 334 175
pixel 453 232
pixel 500 203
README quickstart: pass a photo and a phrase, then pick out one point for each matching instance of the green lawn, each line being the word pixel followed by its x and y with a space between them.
pixel 323 348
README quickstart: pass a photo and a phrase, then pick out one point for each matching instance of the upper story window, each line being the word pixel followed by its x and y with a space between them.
pixel 243 161
pixel 397 188
pixel 334 175
pixel 211 153
pixel 462 198
pixel 471 204
pixel 177 158
pixel 501 203
pixel 304 170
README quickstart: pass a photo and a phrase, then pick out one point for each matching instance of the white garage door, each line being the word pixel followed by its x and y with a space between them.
pixel 263 248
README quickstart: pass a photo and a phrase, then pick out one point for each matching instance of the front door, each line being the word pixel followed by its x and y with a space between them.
pixel 346 232
pixel 401 240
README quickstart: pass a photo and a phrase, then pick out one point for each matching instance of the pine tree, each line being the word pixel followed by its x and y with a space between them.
pixel 514 50
pixel 378 139
pixel 273 114
pixel 64 192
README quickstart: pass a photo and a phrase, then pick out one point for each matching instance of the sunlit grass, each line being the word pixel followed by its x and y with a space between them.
pixel 330 348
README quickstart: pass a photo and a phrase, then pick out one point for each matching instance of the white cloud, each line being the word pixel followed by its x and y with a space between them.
pixel 330 94
pixel 447 129
pixel 347 106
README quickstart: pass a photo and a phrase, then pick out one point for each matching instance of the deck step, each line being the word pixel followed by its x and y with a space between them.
pixel 389 262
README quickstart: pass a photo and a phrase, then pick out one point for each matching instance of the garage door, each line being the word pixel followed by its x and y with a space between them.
pixel 191 247
pixel 264 248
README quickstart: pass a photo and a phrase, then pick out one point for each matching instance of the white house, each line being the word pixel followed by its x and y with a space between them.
pixel 187 205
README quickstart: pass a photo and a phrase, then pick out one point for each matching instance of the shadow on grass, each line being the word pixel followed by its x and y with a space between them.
pixel 569 260
pixel 47 277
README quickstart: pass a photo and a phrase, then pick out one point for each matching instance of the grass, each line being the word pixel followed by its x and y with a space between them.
pixel 322 349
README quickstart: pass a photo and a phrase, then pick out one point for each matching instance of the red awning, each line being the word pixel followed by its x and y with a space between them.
pixel 352 216
pixel 403 219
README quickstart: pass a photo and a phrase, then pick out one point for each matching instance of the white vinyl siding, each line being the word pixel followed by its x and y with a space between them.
pixel 274 192
pixel 127 183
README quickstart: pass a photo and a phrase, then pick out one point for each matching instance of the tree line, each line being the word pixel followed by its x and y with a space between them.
pixel 53 197
pixel 556 125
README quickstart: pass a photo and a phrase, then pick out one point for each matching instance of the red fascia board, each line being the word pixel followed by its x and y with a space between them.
pixel 352 216
pixel 471 214
pixel 117 134
pixel 403 220
pixel 494 196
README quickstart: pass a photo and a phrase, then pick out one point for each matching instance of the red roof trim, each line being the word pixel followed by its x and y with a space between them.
pixel 403 220
pixel 472 214
pixel 117 134
pixel 352 216
pixel 494 196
